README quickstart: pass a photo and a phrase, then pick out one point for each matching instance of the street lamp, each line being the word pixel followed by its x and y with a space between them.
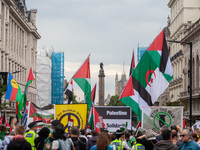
pixel 189 75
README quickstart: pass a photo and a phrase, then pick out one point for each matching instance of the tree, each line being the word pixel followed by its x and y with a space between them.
pixel 3 89
pixel 115 102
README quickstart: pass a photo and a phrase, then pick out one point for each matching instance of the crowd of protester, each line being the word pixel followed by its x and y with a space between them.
pixel 56 138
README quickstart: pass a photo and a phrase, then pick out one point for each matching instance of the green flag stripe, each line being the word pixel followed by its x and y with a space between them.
pixel 167 77
pixel 43 116
pixel 86 87
pixel 134 106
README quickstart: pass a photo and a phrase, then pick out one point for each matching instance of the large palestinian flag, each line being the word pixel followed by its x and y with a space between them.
pixel 43 115
pixel 150 78
pixel 82 78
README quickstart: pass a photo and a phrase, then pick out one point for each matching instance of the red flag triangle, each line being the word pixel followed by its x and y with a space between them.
pixel 128 89
pixel 30 77
pixel 157 43
pixel 32 110
pixel 84 70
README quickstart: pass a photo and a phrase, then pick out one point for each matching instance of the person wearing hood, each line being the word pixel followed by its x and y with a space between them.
pixel 92 140
pixel 166 143
pixel 19 141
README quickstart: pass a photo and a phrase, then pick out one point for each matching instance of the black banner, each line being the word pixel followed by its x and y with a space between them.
pixel 110 112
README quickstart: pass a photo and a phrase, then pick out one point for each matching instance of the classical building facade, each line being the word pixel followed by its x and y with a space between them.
pixel 18 42
pixel 192 34
pixel 183 26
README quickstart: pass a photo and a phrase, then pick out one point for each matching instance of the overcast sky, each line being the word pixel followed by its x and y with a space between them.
pixel 109 30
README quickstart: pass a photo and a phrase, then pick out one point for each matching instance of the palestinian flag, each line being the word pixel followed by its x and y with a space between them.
pixel 150 78
pixel 132 67
pixel 82 78
pixel 22 103
pixel 138 125
pixel 5 122
pixel 68 91
pixel 43 115
pixel 91 116
pixel 93 93
pixel 98 121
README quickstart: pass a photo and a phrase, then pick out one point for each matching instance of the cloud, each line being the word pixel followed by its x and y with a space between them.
pixel 109 30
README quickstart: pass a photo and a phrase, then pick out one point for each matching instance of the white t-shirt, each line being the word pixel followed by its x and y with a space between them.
pixel 55 144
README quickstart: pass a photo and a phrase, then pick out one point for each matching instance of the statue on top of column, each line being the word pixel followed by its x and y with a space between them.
pixel 101 65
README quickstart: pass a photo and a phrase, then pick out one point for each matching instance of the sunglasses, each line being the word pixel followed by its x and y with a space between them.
pixel 182 135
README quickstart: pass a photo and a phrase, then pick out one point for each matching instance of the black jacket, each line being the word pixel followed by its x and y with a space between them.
pixel 39 143
pixel 148 144
pixel 19 144
pixel 78 144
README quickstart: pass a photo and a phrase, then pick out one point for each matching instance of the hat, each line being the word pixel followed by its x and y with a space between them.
pixel 119 132
pixel 32 124
pixel 55 123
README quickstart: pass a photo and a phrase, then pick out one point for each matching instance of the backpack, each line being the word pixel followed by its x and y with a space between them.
pixel 77 144
pixel 64 145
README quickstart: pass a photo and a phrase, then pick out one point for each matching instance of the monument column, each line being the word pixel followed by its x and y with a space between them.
pixel 101 85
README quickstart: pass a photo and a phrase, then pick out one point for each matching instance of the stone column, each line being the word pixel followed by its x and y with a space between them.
pixel 101 85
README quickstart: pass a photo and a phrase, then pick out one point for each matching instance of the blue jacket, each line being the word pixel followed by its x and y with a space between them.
pixel 192 145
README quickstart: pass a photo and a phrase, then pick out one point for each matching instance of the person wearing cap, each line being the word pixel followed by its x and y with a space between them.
pixel 31 135
pixel 55 123
pixel 119 141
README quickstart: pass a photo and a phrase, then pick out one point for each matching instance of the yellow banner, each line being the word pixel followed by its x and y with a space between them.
pixel 71 115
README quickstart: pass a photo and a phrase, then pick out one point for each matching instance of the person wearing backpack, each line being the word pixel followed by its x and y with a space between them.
pixel 60 141
pixel 74 135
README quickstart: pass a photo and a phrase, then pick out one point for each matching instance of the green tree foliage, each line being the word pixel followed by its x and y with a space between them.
pixel 3 89
pixel 74 101
pixel 115 102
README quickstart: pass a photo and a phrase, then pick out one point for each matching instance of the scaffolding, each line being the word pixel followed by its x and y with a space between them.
pixel 43 76
pixel 57 78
